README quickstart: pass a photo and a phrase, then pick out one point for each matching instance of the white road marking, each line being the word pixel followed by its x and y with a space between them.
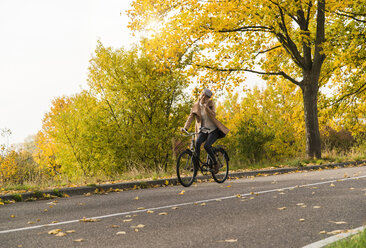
pixel 335 238
pixel 179 205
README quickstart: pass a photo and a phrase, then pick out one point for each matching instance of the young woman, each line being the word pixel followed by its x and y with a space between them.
pixel 209 129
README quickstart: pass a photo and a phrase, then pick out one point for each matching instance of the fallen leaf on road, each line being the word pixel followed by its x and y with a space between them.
pixel 300 204
pixel 136 230
pixel 163 213
pixel 79 240
pixel 87 194
pixel 45 210
pixel 336 232
pixel 61 234
pixel 89 220
pixel 12 216
pixel 182 192
pixel 203 204
pixel 332 185
pixel 136 198
pixel 338 222
pixel 231 240
pixel 138 226
pixel 322 232
pixel 283 208
pixel 53 202
pixel 121 233
pixel 140 208
pixel 174 208
pixel 54 231
pixel 221 200
pixel 251 198
pixel 317 207
pixel 127 220
pixel 351 188
pixel 228 186
pixel 54 222
pixel 301 220
pixel 115 226
pixel 30 222
pixel 70 231
pixel 282 193
pixel 149 211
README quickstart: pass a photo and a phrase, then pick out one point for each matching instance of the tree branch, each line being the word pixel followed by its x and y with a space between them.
pixel 361 89
pixel 268 50
pixel 351 15
pixel 243 29
pixel 280 73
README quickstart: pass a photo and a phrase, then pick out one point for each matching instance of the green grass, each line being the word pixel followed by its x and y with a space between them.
pixel 355 241
pixel 142 174
pixel 17 197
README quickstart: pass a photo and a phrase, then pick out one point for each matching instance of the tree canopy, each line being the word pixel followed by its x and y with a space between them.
pixel 309 43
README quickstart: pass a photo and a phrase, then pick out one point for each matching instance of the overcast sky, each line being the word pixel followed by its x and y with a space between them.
pixel 45 47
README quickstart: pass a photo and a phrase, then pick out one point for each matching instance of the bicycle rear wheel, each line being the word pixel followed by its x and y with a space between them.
pixel 186 169
pixel 223 160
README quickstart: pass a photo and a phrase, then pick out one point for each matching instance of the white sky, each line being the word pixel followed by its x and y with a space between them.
pixel 45 47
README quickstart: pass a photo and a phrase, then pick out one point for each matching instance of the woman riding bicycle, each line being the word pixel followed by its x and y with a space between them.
pixel 209 129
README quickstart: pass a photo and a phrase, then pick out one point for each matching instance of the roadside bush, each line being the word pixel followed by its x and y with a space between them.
pixel 251 141
pixel 340 141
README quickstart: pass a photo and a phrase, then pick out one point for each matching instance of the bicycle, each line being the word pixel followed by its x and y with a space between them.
pixel 188 164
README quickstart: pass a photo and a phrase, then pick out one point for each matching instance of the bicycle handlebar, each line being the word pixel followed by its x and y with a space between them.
pixel 190 134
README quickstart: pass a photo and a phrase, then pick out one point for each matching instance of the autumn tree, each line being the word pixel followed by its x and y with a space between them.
pixel 144 101
pixel 221 40
pixel 125 120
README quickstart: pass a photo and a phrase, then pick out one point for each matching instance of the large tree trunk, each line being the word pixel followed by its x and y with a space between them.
pixel 310 90
pixel 310 86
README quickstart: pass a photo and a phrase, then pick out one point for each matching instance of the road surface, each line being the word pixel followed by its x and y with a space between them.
pixel 289 210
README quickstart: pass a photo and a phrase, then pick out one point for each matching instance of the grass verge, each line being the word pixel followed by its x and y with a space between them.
pixel 145 175
pixel 355 241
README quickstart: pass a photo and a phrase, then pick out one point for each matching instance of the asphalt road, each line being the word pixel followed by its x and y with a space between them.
pixel 290 210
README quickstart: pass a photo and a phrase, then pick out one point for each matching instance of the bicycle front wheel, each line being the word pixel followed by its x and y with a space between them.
pixel 223 161
pixel 186 170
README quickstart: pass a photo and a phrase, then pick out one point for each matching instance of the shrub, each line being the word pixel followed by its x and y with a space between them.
pixel 251 140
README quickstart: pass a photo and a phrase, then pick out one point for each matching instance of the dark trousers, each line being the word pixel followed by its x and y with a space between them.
pixel 210 138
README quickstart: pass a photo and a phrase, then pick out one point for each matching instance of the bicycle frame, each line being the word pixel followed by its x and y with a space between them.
pixel 193 150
